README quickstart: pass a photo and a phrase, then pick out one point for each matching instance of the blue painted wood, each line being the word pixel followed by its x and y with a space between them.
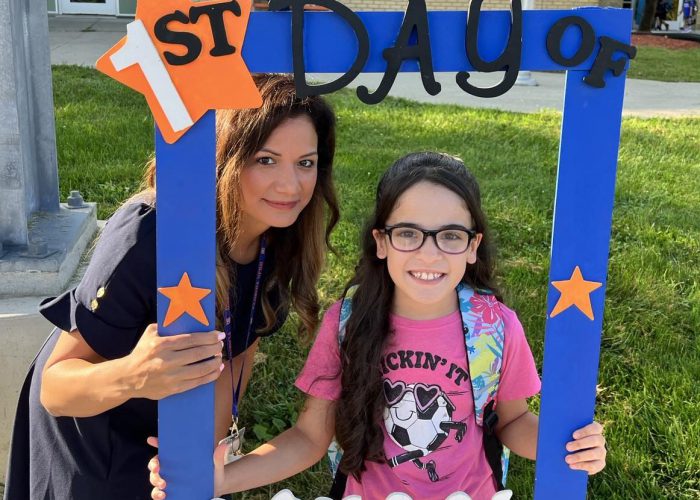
pixel 185 232
pixel 582 221
pixel 331 46
pixel 590 136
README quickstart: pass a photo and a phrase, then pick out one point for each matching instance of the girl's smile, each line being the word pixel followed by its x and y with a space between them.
pixel 426 276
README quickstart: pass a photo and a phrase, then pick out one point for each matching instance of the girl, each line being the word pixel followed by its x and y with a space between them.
pixel 397 391
pixel 89 401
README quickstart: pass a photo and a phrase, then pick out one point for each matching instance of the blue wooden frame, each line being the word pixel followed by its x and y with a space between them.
pixel 185 242
pixel 582 215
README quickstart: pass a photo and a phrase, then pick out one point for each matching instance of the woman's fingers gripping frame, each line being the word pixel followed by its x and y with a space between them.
pixel 156 481
pixel 196 357
pixel 191 376
pixel 196 354
pixel 184 341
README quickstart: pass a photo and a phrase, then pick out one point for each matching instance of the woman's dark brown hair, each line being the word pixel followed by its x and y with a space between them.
pixel 361 405
pixel 299 250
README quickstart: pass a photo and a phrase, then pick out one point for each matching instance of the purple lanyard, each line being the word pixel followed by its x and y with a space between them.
pixel 227 326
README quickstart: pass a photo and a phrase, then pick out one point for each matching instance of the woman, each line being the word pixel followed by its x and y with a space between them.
pixel 89 401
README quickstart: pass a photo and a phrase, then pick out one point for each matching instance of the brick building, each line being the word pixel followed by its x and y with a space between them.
pixel 358 5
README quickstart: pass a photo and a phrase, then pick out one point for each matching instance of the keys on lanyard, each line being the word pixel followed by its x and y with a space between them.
pixel 234 442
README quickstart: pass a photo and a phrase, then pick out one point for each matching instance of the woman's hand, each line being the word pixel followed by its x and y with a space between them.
pixel 587 449
pixel 159 483
pixel 78 382
pixel 163 366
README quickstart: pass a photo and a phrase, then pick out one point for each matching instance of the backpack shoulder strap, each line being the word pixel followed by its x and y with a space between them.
pixel 345 311
pixel 484 334
pixel 335 452
pixel 484 337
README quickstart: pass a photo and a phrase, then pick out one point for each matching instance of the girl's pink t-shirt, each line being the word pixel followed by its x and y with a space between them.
pixel 431 441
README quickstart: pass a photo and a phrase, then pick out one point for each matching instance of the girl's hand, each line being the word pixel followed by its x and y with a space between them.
pixel 154 466
pixel 163 366
pixel 159 483
pixel 588 449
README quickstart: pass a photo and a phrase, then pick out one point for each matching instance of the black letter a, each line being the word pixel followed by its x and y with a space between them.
pixel 416 17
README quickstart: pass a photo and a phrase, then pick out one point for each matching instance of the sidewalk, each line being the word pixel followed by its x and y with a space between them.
pixel 83 39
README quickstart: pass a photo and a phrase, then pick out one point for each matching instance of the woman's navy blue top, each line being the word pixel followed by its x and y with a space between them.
pixel 105 456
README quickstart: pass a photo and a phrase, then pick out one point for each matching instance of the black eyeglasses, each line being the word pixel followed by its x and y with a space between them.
pixel 452 240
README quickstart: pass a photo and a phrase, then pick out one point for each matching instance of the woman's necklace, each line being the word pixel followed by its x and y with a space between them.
pixel 234 440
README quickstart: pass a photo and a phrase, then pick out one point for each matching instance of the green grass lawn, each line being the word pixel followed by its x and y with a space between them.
pixel 666 65
pixel 649 396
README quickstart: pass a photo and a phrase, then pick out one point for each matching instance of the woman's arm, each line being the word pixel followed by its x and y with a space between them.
pixel 78 382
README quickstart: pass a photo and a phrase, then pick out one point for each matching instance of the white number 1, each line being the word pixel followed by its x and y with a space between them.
pixel 139 49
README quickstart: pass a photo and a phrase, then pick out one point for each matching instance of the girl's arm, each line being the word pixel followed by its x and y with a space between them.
pixel 78 382
pixel 517 429
pixel 291 452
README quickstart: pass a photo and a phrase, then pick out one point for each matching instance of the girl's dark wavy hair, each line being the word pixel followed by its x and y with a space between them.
pixel 361 405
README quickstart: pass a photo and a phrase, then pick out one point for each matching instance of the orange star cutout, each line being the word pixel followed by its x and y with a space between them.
pixel 207 82
pixel 575 292
pixel 184 298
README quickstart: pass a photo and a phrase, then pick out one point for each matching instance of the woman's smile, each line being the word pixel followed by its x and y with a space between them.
pixel 282 205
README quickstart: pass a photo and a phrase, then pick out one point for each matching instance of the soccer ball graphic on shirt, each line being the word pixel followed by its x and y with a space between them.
pixel 418 418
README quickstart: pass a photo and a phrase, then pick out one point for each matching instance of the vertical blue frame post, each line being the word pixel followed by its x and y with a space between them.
pixel 186 228
pixel 585 194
